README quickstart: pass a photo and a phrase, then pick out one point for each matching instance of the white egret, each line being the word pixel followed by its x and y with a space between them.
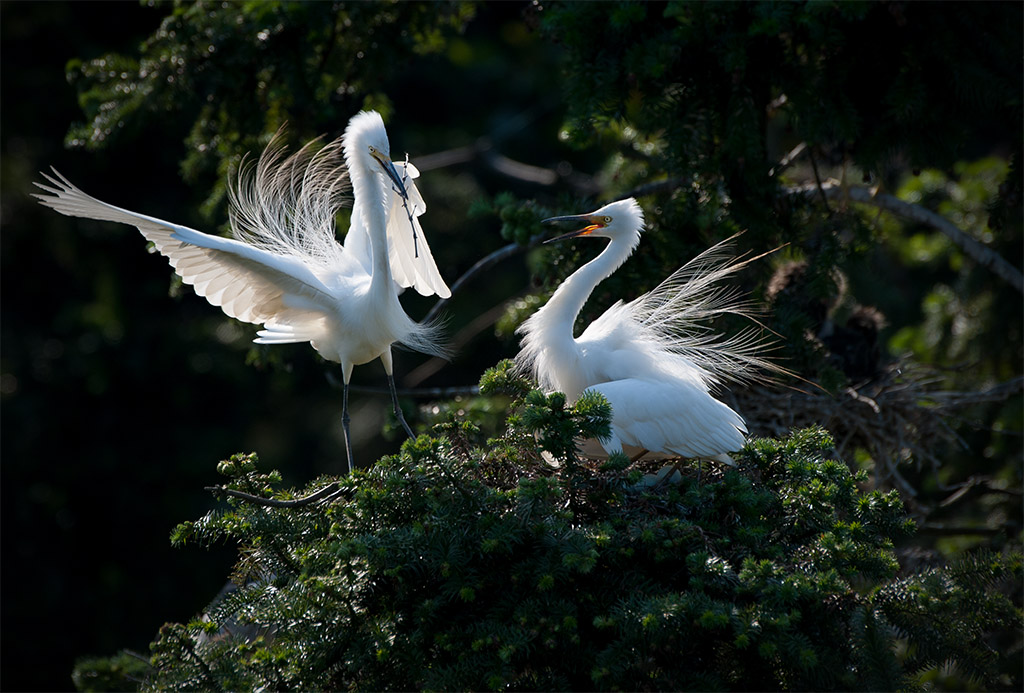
pixel 653 359
pixel 285 271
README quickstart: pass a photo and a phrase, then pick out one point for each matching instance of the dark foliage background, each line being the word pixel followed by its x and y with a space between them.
pixel 120 390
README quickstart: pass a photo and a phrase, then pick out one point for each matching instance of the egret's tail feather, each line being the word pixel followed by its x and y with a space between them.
pixel 428 338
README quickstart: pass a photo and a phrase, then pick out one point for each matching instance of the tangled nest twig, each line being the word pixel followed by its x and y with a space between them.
pixel 896 417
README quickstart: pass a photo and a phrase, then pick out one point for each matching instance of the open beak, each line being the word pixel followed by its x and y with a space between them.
pixel 390 172
pixel 591 225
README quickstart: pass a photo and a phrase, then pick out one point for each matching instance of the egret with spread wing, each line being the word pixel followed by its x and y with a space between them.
pixel 654 359
pixel 284 269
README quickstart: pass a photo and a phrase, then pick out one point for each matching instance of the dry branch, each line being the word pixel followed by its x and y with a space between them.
pixel 896 418
pixel 976 250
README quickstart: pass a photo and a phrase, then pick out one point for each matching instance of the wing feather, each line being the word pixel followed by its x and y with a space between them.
pixel 208 263
pixel 412 263
pixel 676 418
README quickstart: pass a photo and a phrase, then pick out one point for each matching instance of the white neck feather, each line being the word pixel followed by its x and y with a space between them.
pixel 550 349
pixel 369 198
pixel 568 300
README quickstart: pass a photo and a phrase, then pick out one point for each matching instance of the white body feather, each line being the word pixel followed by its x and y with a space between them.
pixel 653 359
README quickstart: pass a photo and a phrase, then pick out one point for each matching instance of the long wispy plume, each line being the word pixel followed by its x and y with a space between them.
pixel 287 204
pixel 676 315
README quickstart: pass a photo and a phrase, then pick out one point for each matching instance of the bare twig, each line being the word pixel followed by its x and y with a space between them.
pixel 328 492
pixel 654 188
pixel 787 161
pixel 945 530
pixel 427 392
pixel 527 173
pixel 510 250
pixel 979 252
pixel 497 256
pixel 449 157
pixel 817 180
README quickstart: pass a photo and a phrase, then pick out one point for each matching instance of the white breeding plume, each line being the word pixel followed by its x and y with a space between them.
pixel 286 271
pixel 654 359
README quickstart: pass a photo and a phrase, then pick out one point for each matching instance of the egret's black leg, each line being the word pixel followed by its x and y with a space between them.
pixel 344 426
pixel 398 409
pixel 637 456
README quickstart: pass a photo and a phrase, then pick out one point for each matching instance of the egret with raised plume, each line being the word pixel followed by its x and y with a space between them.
pixel 654 358
pixel 285 270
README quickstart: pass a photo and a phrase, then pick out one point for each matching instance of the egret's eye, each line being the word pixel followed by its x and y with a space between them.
pixel 373 150
pixel 607 220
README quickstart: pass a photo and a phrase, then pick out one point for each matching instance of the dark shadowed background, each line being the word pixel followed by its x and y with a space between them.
pixel 121 390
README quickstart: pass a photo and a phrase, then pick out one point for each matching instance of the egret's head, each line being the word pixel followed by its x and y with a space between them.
pixel 621 219
pixel 367 147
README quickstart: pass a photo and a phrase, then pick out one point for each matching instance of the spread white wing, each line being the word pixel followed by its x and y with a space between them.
pixel 412 263
pixel 246 282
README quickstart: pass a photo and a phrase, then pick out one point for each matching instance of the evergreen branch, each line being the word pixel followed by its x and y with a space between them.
pixel 189 650
pixel 983 255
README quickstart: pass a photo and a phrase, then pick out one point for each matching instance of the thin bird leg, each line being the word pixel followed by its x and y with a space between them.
pixel 398 409
pixel 637 456
pixel 344 417
pixel 389 368
pixel 668 477
pixel 676 469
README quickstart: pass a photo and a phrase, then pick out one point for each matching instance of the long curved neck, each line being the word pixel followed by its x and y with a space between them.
pixel 568 300
pixel 369 197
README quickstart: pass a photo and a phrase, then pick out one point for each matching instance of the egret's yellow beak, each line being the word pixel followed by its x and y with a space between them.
pixel 390 172
pixel 592 224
